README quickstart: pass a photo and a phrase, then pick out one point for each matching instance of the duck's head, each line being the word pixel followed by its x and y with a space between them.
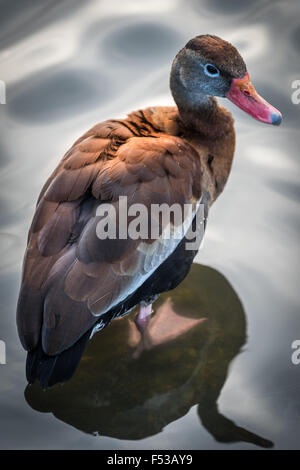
pixel 209 66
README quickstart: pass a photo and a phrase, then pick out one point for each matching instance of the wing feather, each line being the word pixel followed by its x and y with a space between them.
pixel 71 277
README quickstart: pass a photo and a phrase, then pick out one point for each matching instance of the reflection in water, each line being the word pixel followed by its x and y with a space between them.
pixel 28 16
pixel 230 7
pixel 134 43
pixel 53 96
pixel 129 387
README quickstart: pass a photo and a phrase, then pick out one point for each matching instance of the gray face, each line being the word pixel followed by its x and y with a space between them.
pixel 200 76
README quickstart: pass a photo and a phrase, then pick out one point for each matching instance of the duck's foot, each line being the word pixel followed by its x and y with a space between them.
pixel 143 317
pixel 142 321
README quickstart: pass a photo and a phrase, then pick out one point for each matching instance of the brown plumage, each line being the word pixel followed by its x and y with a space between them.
pixel 72 279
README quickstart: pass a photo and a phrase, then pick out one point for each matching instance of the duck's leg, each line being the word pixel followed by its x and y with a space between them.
pixel 142 321
pixel 143 317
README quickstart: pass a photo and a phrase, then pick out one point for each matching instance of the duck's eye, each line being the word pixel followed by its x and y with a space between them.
pixel 211 70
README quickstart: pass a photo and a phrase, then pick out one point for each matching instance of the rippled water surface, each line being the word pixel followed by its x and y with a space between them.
pixel 223 377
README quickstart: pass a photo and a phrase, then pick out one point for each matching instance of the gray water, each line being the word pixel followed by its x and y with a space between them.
pixel 222 381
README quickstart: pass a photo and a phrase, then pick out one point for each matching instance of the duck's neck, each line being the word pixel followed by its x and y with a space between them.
pixel 198 112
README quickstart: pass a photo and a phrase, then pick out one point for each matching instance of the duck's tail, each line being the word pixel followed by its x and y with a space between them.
pixel 50 370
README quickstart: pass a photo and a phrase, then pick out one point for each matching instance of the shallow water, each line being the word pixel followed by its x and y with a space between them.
pixel 226 381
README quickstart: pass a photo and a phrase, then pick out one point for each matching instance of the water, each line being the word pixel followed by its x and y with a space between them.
pixel 225 378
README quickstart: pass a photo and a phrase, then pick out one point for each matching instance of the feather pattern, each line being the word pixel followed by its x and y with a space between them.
pixel 74 280
pixel 76 277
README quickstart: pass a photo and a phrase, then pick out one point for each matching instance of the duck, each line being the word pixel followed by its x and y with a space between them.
pixel 75 281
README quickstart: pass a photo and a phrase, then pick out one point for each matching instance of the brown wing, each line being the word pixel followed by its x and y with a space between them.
pixel 70 276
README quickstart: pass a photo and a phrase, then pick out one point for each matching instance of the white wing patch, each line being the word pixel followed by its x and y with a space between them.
pixel 151 256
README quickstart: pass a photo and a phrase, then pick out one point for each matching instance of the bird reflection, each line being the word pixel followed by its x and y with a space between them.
pixel 131 384
pixel 165 326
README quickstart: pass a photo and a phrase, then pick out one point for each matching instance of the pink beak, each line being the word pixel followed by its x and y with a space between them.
pixel 243 94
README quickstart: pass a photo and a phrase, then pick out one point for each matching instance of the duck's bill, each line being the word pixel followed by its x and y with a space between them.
pixel 243 94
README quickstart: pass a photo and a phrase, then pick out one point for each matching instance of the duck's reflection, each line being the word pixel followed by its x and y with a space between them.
pixel 130 386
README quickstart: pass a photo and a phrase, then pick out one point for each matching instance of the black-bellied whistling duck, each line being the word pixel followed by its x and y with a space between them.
pixel 73 281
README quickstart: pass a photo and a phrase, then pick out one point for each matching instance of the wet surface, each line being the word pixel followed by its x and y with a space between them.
pixel 55 96
pixel 223 377
pixel 147 382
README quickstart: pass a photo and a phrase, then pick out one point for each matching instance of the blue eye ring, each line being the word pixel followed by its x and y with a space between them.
pixel 211 70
